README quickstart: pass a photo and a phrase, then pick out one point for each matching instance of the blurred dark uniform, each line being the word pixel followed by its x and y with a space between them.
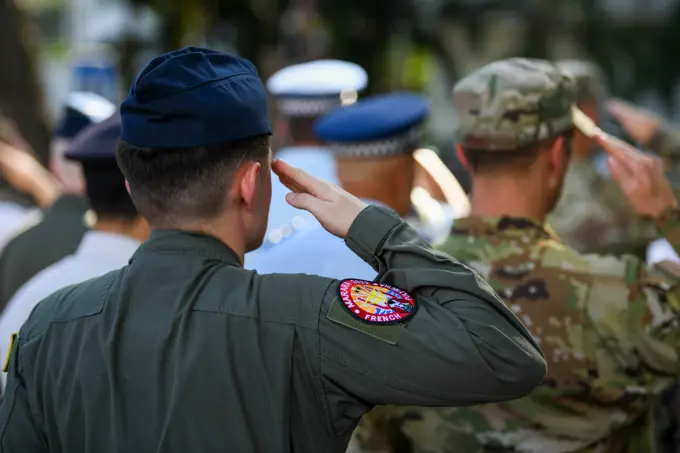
pixel 55 233
pixel 184 350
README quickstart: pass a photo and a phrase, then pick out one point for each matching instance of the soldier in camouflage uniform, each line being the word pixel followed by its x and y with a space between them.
pixel 608 326
pixel 592 214
pixel 663 138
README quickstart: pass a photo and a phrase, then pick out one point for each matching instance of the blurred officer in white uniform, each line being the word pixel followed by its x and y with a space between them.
pixel 81 110
pixel 24 182
pixel 50 234
pixel 303 93
pixel 374 141
pixel 117 233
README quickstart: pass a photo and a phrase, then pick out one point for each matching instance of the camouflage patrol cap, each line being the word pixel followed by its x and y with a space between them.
pixel 590 81
pixel 513 103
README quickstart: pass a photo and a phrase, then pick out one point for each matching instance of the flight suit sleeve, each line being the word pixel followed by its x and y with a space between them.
pixel 461 347
pixel 19 431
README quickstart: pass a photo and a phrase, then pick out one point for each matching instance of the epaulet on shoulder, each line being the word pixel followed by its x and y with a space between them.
pixel 44 312
pixel 64 304
pixel 559 256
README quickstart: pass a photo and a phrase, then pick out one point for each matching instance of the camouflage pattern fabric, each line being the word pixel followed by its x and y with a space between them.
pixel 609 331
pixel 590 81
pixel 594 215
pixel 512 103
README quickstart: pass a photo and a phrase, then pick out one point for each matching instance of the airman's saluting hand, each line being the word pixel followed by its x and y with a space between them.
pixel 334 208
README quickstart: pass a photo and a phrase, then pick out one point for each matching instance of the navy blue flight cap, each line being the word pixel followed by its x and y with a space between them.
pixel 194 97
pixel 97 142
pixel 81 110
pixel 375 126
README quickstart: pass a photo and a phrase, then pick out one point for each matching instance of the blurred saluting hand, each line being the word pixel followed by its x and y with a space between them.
pixel 23 172
pixel 334 208
pixel 640 124
pixel 640 176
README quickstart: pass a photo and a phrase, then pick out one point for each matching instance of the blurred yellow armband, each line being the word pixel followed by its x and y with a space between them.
pixel 12 340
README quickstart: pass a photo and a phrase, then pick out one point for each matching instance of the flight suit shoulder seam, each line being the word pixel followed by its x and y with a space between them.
pixel 105 291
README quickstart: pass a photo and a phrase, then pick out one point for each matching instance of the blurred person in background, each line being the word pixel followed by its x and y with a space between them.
pixel 117 233
pixel 80 111
pixel 55 232
pixel 593 215
pixel 23 182
pixel 656 134
pixel 659 136
pixel 373 140
pixel 303 93
pixel 608 326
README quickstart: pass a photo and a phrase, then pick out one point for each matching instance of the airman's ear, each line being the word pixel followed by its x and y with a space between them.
pixel 249 175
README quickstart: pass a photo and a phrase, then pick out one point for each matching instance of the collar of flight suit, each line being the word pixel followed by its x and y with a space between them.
pixel 177 242
pixel 522 228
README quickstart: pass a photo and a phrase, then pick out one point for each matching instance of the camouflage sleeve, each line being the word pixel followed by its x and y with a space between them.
pixel 668 225
pixel 637 314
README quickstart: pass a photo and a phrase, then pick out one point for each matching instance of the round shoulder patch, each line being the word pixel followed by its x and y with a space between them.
pixel 376 303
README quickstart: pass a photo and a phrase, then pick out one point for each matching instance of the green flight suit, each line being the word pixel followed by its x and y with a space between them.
pixel 185 351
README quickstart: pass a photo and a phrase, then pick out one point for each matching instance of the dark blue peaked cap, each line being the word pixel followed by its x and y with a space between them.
pixel 97 142
pixel 375 126
pixel 81 110
pixel 373 118
pixel 194 97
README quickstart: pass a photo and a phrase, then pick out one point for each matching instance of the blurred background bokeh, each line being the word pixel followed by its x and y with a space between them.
pixel 51 47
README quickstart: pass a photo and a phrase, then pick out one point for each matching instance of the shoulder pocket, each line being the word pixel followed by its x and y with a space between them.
pixel 84 299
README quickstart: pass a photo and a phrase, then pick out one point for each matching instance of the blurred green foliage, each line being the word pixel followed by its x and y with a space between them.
pixel 364 32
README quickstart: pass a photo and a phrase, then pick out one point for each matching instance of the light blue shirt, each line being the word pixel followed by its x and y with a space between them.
pixel 284 219
pixel 12 218
pixel 97 254
pixel 315 251
pixel 311 250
